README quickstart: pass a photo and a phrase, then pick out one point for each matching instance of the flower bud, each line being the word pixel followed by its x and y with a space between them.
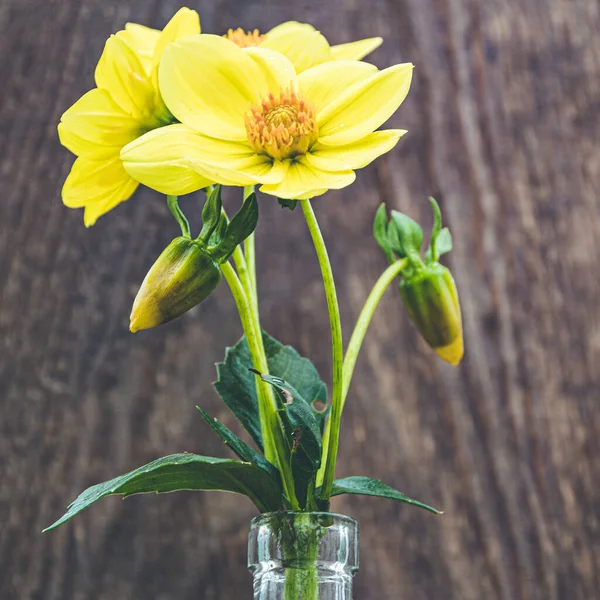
pixel 182 276
pixel 431 299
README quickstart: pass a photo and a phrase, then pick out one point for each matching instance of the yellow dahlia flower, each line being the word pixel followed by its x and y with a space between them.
pixel 303 44
pixel 247 118
pixel 125 104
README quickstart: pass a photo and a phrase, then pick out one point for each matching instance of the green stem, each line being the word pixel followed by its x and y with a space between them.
pixel 242 269
pixel 179 216
pixel 246 268
pixel 275 446
pixel 250 248
pixel 358 336
pixel 243 306
pixel 246 281
pixel 250 252
pixel 335 324
pixel 263 390
pixel 245 276
pixel 364 319
pixel 300 548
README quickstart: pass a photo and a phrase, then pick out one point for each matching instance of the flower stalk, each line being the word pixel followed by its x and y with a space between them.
pixel 364 320
pixel 357 338
pixel 250 253
pixel 337 348
pixel 276 453
pixel 264 391
pixel 173 204
pixel 274 444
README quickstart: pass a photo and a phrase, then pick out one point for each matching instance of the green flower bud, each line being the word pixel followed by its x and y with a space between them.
pixel 183 276
pixel 431 299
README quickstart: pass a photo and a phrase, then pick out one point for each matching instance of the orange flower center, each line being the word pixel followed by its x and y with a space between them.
pixel 245 38
pixel 282 127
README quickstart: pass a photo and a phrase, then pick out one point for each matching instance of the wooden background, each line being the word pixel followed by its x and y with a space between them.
pixel 504 121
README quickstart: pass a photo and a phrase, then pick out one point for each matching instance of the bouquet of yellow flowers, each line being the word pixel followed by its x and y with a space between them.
pixel 181 111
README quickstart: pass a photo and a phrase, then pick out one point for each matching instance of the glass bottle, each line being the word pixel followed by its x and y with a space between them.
pixel 303 556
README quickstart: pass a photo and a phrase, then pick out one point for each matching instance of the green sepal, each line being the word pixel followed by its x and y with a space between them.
pixel 441 238
pixel 291 204
pixel 380 232
pixel 220 230
pixel 437 219
pixel 238 446
pixel 211 214
pixel 241 226
pixel 185 472
pixel 444 242
pixel 366 486
pixel 405 237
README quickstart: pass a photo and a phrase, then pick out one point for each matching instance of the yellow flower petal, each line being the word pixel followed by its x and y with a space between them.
pixel 365 106
pixel 242 170
pixel 356 50
pixel 177 160
pixel 300 42
pixel 303 180
pixel 122 74
pixel 98 186
pixel 289 28
pixel 96 127
pixel 324 83
pixel 209 83
pixel 356 155
pixel 185 22
pixel 161 158
pixel 277 70
pixel 453 352
pixel 142 41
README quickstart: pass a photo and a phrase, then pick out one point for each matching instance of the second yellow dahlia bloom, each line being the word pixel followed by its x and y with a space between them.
pixel 303 44
pixel 125 104
pixel 247 118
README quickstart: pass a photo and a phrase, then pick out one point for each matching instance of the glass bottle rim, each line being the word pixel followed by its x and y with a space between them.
pixel 337 517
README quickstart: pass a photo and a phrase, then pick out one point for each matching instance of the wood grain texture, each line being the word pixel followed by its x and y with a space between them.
pixel 503 123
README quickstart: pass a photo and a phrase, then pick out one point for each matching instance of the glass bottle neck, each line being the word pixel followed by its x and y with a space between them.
pixel 303 556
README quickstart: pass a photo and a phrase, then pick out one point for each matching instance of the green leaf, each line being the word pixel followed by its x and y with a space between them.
pixel 291 204
pixel 406 236
pixel 365 486
pixel 243 451
pixel 302 435
pixel 185 472
pixel 298 419
pixel 211 214
pixel 241 226
pixel 285 362
pixel 380 231
pixel 237 385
